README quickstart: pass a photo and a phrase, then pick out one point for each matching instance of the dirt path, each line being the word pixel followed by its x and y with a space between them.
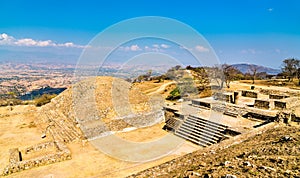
pixel 160 89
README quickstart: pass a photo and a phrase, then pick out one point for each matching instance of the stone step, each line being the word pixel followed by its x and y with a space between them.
pixel 203 125
pixel 172 123
pixel 207 122
pixel 198 140
pixel 200 136
pixel 55 135
pixel 202 132
pixel 195 136
pixel 230 113
pixel 62 129
pixel 69 125
pixel 216 133
pixel 189 139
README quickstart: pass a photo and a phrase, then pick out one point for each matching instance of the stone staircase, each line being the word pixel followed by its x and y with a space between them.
pixel 172 123
pixel 200 131
pixel 59 126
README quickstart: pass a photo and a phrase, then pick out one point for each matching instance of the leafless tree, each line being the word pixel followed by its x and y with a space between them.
pixel 225 73
pixel 253 70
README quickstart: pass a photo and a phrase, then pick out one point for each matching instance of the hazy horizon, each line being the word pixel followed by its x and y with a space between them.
pixel 255 32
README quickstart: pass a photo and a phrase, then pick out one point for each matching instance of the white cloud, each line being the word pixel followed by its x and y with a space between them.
pixel 5 39
pixel 135 48
pixel 270 9
pixel 155 46
pixel 130 48
pixel 201 48
pixel 164 46
pixel 11 41
pixel 249 51
pixel 152 48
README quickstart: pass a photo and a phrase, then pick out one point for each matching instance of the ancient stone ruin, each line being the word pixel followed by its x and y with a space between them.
pixel 205 121
pixel 262 104
pixel 249 93
pixel 85 112
pixel 56 152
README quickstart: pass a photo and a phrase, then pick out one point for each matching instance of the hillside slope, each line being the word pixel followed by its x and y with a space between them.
pixel 275 153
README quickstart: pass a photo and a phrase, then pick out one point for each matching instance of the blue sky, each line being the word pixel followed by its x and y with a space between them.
pixel 251 31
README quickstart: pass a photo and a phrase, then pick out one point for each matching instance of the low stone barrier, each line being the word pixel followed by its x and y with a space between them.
pixel 248 93
pixel 277 96
pixel 286 103
pixel 227 97
pixel 16 164
pixel 262 104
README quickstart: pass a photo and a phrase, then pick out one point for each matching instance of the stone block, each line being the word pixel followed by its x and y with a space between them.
pixel 247 93
pixel 262 104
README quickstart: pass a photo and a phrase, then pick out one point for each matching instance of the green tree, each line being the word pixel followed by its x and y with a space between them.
pixel 290 67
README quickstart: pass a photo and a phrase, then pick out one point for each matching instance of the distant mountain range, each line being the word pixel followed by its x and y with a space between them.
pixel 244 68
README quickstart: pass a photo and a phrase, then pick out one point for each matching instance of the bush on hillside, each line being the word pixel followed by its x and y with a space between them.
pixel 44 99
pixel 174 94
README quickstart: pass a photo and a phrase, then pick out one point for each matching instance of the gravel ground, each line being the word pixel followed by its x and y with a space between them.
pixel 275 153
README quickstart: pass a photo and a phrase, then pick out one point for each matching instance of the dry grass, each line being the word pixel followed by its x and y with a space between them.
pixel 265 155
pixel 18 130
pixel 86 160
pixel 274 82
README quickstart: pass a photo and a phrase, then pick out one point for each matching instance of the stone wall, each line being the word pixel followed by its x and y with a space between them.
pixel 227 97
pixel 201 103
pixel 248 93
pixel 14 155
pixel 97 128
pixel 63 153
pixel 279 92
pixel 262 104
pixel 39 147
pixel 144 120
pixel 277 96
pixel 287 103
pixel 280 104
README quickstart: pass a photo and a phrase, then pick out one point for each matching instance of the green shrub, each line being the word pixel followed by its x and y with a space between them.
pixel 44 99
pixel 174 94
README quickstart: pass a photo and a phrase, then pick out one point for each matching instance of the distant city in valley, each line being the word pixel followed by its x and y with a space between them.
pixel 18 79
